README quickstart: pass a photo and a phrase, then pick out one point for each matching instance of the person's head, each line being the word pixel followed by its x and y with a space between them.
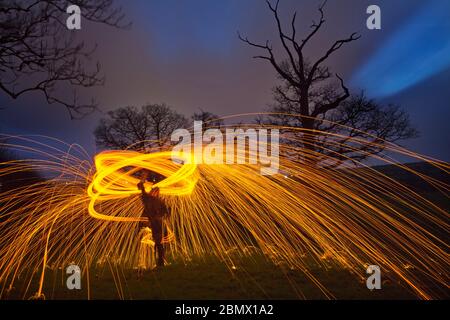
pixel 144 175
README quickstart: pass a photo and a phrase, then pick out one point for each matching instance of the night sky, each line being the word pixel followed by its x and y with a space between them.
pixel 187 54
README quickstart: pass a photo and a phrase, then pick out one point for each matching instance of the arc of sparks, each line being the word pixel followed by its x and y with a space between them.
pixel 114 177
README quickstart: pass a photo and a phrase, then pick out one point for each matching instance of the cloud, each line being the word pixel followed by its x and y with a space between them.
pixel 419 49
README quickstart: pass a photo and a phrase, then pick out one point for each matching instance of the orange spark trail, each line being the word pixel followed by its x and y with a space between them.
pixel 353 216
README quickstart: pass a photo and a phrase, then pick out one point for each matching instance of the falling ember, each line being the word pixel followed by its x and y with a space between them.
pixel 352 216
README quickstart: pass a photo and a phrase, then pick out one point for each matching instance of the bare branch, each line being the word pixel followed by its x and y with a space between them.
pixel 336 46
pixel 270 58
pixel 332 105
pixel 315 26
pixel 39 54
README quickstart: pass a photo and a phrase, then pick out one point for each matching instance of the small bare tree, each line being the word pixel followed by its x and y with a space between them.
pixel 39 54
pixel 141 129
pixel 210 120
pixel 312 99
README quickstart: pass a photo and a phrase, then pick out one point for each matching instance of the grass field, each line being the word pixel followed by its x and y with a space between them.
pixel 254 278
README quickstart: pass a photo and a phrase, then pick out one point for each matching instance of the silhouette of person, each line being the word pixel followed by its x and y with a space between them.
pixel 155 210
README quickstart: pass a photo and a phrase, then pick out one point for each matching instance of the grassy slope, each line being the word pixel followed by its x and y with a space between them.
pixel 255 278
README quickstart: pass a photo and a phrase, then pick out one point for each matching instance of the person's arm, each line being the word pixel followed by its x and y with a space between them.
pixel 141 183
pixel 141 187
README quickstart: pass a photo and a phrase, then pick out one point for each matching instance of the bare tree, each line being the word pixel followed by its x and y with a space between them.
pixel 139 129
pixel 314 100
pixel 210 120
pixel 39 54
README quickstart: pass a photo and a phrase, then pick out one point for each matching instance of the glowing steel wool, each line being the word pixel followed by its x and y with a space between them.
pixel 114 177
pixel 352 216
